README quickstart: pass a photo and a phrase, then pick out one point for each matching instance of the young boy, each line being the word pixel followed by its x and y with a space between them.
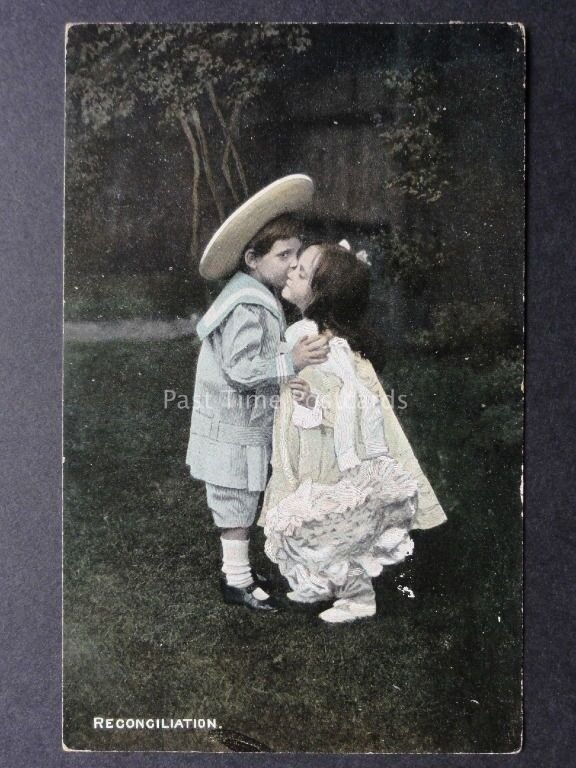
pixel 242 361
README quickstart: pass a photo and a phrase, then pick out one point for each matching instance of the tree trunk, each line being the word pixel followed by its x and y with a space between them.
pixel 225 165
pixel 226 153
pixel 205 154
pixel 195 181
pixel 230 145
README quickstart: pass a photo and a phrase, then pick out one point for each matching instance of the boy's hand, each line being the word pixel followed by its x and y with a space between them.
pixel 309 350
pixel 301 392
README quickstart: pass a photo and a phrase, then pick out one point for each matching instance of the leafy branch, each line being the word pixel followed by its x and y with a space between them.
pixel 186 72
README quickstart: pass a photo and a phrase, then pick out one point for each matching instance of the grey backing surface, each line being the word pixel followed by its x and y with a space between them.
pixel 31 148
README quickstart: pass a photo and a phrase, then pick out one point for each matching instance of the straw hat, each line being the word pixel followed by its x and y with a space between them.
pixel 222 254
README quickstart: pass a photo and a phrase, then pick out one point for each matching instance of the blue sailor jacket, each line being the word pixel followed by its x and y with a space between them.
pixel 242 360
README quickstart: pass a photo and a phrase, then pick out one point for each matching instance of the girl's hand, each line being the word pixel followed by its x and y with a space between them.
pixel 301 392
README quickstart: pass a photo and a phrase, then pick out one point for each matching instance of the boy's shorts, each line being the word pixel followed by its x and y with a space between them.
pixel 232 507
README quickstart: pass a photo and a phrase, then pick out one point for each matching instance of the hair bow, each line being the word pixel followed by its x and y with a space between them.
pixel 360 255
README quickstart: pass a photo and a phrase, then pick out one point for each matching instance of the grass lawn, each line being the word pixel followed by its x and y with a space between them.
pixel 152 295
pixel 145 633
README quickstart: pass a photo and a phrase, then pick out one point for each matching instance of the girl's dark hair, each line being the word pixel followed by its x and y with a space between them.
pixel 341 292
pixel 282 228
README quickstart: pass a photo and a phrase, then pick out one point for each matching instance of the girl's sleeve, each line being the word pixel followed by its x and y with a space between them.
pixel 252 355
pixel 307 418
pixel 300 329
pixel 326 388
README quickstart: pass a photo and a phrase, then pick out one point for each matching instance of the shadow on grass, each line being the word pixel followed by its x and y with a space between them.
pixel 146 634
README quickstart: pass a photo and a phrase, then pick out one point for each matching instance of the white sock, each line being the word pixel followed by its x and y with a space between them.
pixel 236 566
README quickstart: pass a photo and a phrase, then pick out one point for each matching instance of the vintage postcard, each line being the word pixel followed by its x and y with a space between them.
pixel 294 273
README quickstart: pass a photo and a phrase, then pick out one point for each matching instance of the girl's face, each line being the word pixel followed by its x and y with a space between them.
pixel 298 289
pixel 272 268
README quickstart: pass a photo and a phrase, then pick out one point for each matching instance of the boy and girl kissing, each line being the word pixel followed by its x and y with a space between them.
pixel 342 487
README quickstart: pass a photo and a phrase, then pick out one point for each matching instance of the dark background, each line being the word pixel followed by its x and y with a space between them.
pixel 457 112
pixel 31 505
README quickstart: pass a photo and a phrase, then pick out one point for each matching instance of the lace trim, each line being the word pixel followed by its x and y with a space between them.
pixel 381 479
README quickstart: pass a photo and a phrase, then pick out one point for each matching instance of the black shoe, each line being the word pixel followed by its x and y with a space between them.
pixel 244 596
pixel 262 581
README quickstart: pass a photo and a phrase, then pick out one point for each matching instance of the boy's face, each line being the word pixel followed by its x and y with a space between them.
pixel 272 269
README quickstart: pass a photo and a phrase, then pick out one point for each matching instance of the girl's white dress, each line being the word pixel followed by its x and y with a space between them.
pixel 346 488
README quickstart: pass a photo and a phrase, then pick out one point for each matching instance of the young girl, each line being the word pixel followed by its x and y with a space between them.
pixel 346 488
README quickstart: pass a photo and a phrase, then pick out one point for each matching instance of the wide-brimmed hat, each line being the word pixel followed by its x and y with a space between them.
pixel 224 251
